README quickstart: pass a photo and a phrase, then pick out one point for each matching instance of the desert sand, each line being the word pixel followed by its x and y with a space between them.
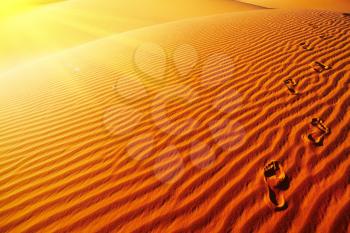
pixel 334 5
pixel 168 128
pixel 59 25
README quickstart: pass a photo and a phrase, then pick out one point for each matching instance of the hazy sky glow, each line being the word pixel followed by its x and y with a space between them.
pixel 12 7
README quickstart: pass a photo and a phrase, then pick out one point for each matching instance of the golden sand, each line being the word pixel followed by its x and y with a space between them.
pixel 168 128
pixel 65 24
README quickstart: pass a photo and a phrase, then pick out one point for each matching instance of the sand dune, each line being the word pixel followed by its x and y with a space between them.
pixel 65 24
pixel 335 5
pixel 168 128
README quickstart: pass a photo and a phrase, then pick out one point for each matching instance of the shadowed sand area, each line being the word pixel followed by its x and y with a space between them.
pixel 167 129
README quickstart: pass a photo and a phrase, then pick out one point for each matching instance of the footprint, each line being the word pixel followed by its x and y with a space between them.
pixel 320 67
pixel 317 137
pixel 319 124
pixel 291 84
pixel 306 46
pixel 346 14
pixel 276 181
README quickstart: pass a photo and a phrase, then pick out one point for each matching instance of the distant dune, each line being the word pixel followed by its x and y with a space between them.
pixel 168 128
pixel 53 27
pixel 335 5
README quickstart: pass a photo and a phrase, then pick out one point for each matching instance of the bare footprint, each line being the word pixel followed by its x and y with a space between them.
pixel 320 67
pixel 320 124
pixel 306 46
pixel 291 84
pixel 276 181
pixel 317 137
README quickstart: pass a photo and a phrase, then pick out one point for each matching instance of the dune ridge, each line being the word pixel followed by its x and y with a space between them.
pixel 180 153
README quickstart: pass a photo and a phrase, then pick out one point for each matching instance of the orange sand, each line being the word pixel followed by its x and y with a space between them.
pixel 335 5
pixel 113 137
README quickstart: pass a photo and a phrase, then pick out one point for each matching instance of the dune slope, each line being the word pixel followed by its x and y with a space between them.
pixel 335 5
pixel 168 128
pixel 66 24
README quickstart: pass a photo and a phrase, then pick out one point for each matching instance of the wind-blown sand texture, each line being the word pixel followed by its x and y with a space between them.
pixel 123 139
pixel 335 5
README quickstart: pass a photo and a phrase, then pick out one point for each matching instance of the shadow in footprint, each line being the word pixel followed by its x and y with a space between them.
pixel 346 14
pixel 320 67
pixel 284 185
pixel 291 84
pixel 274 200
pixel 316 139
pixel 277 182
